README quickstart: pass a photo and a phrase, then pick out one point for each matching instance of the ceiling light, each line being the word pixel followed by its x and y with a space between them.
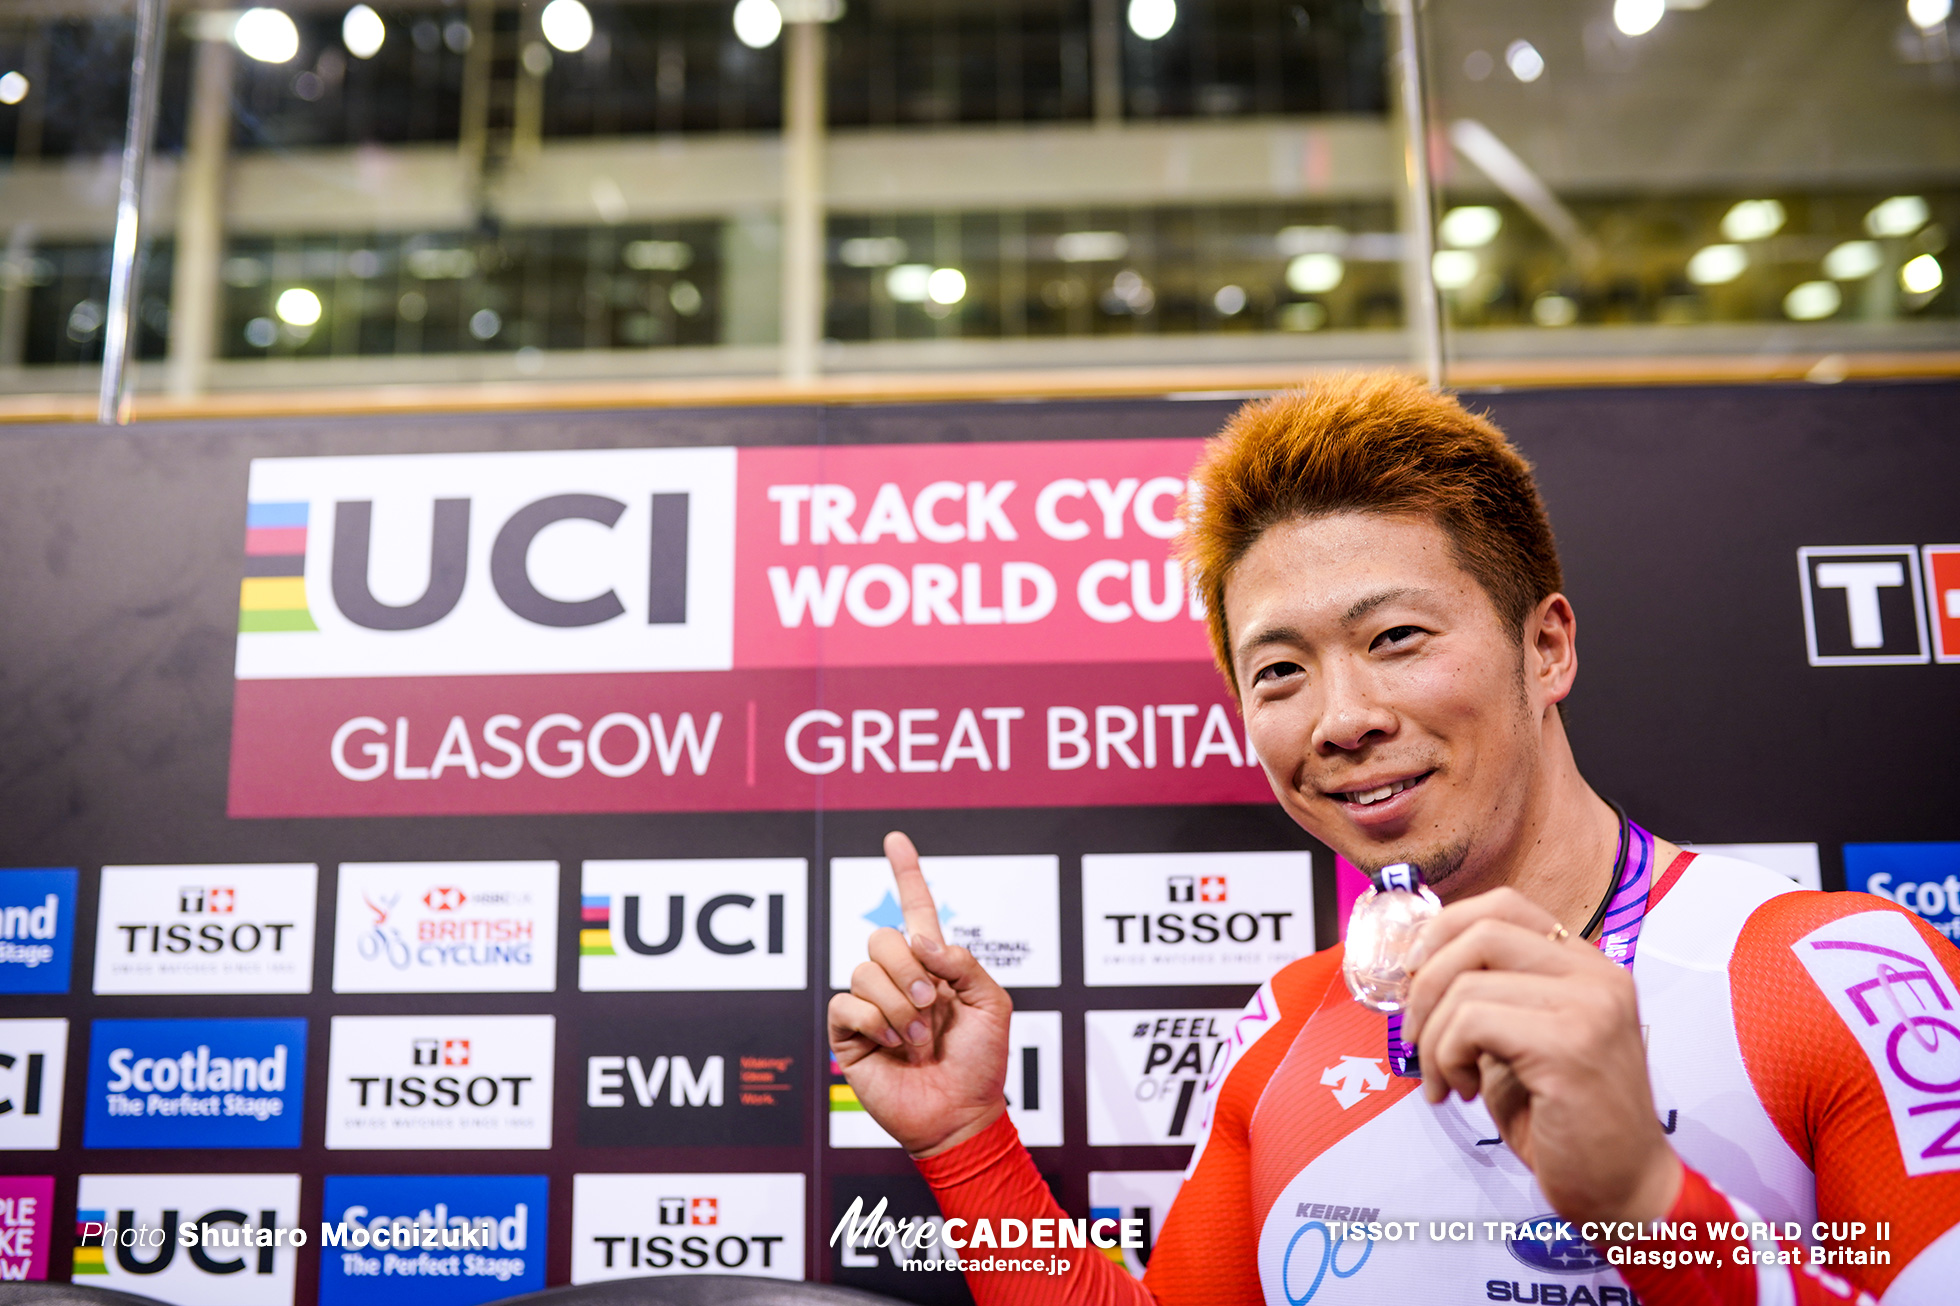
pixel 757 25
pixel 1229 301
pixel 1753 220
pixel 1717 265
pixel 871 251
pixel 1524 61
pixel 363 32
pixel 1314 274
pixel 1453 269
pixel 1922 276
pixel 1899 216
pixel 298 307
pixel 1552 310
pixel 1471 226
pixel 1091 246
pixel 567 24
pixel 1811 301
pixel 266 35
pixel 1853 260
pixel 1638 17
pixel 906 283
pixel 1928 14
pixel 13 88
pixel 1151 19
pixel 946 286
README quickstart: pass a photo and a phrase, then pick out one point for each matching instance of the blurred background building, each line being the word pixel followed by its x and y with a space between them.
pixel 466 190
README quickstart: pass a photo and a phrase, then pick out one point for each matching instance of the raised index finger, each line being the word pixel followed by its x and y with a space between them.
pixel 914 898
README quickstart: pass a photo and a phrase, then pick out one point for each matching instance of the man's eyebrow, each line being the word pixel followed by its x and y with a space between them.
pixel 1362 607
pixel 1270 635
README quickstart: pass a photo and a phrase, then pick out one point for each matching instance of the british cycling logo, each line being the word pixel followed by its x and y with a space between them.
pixel 37 930
pixel 447 927
pixel 431 1240
pixel 195 1083
pixel 627 1225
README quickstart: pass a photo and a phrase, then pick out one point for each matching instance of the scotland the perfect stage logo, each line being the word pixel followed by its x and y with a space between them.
pixel 432 1240
pixel 37 930
pixel 195 1083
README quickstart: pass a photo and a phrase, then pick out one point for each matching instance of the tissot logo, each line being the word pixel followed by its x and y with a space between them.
pixel 195 1083
pixel 447 927
pixel 205 929
pixel 1146 1069
pixel 474 1238
pixel 1194 918
pixel 37 930
pixel 628 1225
pixel 1862 605
pixel 129 1237
pixel 33 1059
pixel 664 1082
pixel 411 1082
pixel 739 923
pixel 598 560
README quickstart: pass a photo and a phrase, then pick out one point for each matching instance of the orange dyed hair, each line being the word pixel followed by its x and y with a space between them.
pixel 1370 442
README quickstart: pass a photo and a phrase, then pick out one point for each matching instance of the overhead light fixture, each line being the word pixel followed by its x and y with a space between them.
pixel 1152 19
pixel 1922 276
pixel 567 25
pixel 1470 226
pixel 1454 269
pixel 946 286
pixel 1899 216
pixel 1853 260
pixel 906 283
pixel 1524 61
pixel 266 35
pixel 298 307
pixel 1753 220
pixel 1638 17
pixel 1812 301
pixel 1928 14
pixel 1315 274
pixel 1091 246
pixel 758 23
pixel 13 88
pixel 1717 265
pixel 363 32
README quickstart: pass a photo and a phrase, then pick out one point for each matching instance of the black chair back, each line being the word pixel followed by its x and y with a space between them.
pixel 67 1294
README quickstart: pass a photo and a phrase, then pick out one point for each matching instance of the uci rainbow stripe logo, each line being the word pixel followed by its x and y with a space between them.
pixel 272 597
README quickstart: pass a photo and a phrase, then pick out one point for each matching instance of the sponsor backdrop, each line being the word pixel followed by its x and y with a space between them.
pixel 454 826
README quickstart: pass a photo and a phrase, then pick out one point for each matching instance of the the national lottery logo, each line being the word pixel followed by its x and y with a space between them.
pixel 33 1061
pixel 431 1082
pixel 447 927
pixel 1147 1070
pixel 720 924
pixel 628 1225
pixel 131 1235
pixel 1194 918
pixel 1005 910
pixel 37 930
pixel 432 1240
pixel 195 1083
pixel 205 929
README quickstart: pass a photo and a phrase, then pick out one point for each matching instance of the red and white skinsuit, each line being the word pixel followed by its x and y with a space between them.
pixel 1804 1052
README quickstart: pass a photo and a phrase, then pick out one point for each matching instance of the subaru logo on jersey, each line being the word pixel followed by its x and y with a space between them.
pixel 737 1080
pixel 1034 1088
pixel 433 1082
pixel 1146 1069
pixel 130 1233
pixel 205 929
pixel 26 1220
pixel 1862 605
pixel 1141 1195
pixel 33 1058
pixel 1219 918
pixel 37 930
pixel 195 1083
pixel 1547 1242
pixel 736 923
pixel 432 1240
pixel 486 563
pixel 1005 910
pixel 1924 878
pixel 628 1225
pixel 447 927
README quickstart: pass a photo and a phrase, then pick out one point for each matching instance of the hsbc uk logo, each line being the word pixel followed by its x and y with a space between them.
pixel 1880 604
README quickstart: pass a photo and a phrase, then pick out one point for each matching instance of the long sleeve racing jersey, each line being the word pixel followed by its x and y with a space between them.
pixel 1804 1055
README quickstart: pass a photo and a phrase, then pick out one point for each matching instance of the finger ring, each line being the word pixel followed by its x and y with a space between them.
pixel 1558 933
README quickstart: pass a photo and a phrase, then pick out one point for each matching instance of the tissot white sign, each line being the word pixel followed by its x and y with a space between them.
pixel 205 929
pixel 471 564
pixel 734 923
pixel 446 927
pixel 625 1226
pixel 33 1062
pixel 1146 1070
pixel 440 1082
pixel 127 1236
pixel 1005 910
pixel 1194 918
pixel 1034 1089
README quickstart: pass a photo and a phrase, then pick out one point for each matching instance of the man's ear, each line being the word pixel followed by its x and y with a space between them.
pixel 1551 638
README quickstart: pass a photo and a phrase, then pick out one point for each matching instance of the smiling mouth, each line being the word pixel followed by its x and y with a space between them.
pixel 1380 793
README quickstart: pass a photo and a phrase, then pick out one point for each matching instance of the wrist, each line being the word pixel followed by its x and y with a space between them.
pixel 1655 1191
pixel 961 1133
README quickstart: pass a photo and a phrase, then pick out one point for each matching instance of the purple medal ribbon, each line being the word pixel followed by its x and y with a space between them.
pixel 1619 935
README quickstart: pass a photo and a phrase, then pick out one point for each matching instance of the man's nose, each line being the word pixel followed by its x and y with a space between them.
pixel 1351 714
